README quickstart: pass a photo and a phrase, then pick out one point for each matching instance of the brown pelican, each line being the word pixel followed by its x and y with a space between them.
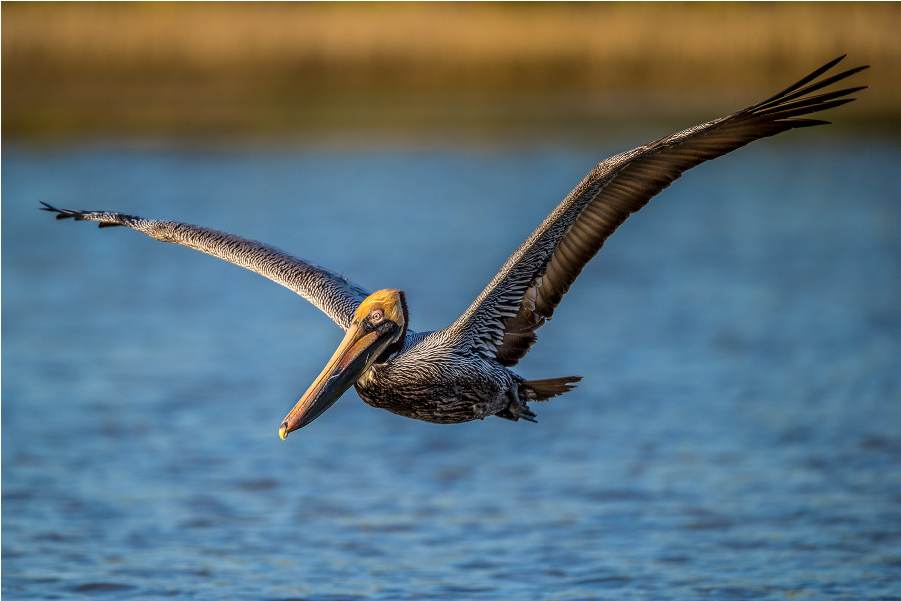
pixel 463 372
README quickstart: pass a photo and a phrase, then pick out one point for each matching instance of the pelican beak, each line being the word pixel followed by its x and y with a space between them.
pixel 356 354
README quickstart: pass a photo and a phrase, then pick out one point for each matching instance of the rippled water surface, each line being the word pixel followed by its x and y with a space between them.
pixel 737 434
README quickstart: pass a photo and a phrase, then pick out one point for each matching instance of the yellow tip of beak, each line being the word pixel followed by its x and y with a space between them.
pixel 283 432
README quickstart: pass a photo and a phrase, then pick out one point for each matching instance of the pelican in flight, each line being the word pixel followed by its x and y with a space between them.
pixel 462 372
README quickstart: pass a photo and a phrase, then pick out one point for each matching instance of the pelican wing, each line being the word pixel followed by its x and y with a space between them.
pixel 332 293
pixel 501 322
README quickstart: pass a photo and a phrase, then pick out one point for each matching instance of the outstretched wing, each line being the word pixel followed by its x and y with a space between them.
pixel 333 294
pixel 501 322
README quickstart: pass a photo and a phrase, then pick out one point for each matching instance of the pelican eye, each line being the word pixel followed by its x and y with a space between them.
pixel 376 315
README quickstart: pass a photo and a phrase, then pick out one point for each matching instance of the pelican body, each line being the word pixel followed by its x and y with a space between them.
pixel 462 372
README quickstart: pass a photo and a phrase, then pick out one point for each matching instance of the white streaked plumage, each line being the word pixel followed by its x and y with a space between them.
pixel 461 372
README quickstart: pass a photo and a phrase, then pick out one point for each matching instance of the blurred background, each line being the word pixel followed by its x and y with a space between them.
pixel 737 433
pixel 173 70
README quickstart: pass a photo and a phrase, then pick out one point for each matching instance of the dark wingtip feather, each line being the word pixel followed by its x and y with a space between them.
pixel 807 85
pixel 60 213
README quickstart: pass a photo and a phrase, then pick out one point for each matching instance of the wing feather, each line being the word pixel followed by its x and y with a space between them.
pixel 501 322
pixel 336 296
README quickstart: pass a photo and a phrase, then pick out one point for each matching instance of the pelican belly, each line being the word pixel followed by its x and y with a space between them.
pixel 442 389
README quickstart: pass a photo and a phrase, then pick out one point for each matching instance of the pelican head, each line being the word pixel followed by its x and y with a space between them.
pixel 377 330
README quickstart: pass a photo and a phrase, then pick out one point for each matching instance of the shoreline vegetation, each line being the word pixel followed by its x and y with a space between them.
pixel 274 70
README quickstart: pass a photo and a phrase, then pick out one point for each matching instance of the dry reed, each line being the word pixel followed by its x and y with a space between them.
pixel 235 66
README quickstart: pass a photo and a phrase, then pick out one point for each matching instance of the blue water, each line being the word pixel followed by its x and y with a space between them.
pixel 737 434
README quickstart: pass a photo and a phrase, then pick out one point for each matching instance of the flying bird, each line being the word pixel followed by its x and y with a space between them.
pixel 462 372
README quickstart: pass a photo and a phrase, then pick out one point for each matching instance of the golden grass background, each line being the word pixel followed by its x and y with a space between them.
pixel 220 69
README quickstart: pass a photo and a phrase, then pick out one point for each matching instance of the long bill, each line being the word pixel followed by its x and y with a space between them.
pixel 356 354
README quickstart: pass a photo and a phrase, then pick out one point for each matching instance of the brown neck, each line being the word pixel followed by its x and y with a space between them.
pixel 397 346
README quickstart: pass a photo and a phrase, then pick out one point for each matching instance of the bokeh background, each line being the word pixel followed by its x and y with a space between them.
pixel 737 433
pixel 180 70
